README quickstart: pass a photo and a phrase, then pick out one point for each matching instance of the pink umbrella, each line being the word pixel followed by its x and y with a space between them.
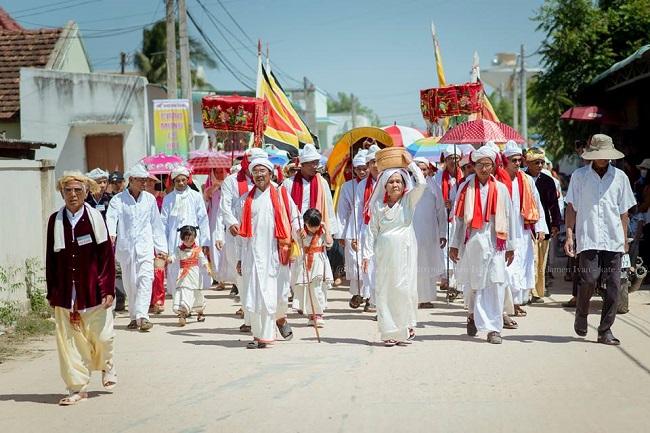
pixel 403 135
pixel 480 131
pixel 203 161
pixel 592 113
pixel 162 163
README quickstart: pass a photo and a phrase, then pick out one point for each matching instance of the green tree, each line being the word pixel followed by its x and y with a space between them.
pixel 582 39
pixel 343 104
pixel 151 61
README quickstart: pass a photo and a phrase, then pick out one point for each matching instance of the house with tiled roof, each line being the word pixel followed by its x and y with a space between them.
pixel 59 49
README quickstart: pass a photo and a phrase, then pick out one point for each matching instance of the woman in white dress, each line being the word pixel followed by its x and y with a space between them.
pixel 391 240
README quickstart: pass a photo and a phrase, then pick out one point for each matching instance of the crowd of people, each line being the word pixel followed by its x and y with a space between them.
pixel 480 226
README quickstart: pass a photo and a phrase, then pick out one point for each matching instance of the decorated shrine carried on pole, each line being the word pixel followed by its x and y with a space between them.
pixel 235 113
pixel 450 101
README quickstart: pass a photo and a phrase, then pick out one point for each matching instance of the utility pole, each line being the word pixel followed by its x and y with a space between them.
pixel 524 106
pixel 171 50
pixel 122 62
pixel 186 78
pixel 353 111
pixel 515 99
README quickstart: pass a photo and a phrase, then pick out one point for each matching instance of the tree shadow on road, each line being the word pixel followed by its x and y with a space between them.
pixel 44 398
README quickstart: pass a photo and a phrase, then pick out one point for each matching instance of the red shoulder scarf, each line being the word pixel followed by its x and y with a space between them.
pixel 491 209
pixel 314 189
pixel 527 205
pixel 446 181
pixel 367 193
pixel 281 213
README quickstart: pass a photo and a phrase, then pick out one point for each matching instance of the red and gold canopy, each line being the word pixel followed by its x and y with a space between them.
pixel 235 113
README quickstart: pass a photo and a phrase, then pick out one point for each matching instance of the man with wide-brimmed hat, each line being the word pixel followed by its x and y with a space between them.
pixel 598 198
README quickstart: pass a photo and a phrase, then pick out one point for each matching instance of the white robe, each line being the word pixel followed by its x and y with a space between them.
pixel 480 266
pixel 453 190
pixel 262 287
pixel 391 240
pixel 333 222
pixel 180 209
pixel 521 274
pixel 216 229
pixel 188 296
pixel 350 215
pixel 140 233
pixel 367 279
pixel 319 279
pixel 430 225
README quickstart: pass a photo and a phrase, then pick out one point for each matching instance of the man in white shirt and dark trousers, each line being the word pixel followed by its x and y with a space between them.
pixel 598 199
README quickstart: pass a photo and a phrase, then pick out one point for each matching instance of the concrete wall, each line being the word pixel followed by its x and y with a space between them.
pixel 25 209
pixel 63 108
pixel 75 59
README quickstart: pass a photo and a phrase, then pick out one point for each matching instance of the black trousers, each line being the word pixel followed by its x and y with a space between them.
pixel 591 263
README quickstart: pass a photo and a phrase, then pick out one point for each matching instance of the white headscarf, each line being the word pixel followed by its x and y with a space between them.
pixel 178 171
pixel 360 158
pixel 421 159
pixel 97 174
pixel 255 152
pixel 138 170
pixel 452 150
pixel 378 193
pixel 511 149
pixel 261 161
pixel 372 150
pixel 309 153
pixel 484 152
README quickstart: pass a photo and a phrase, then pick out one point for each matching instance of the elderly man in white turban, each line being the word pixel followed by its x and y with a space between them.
pixel 308 189
pixel 99 199
pixel 481 245
pixel 184 207
pixel 350 215
pixel 527 212
pixel 234 187
pixel 268 220
pixel 391 240
pixel 137 231
pixel 430 225
pixel 448 180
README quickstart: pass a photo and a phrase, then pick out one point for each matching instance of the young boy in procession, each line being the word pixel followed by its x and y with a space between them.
pixel 311 271
pixel 188 296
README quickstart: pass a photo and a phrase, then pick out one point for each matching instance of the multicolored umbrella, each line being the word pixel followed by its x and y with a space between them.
pixel 481 131
pixel 428 149
pixel 403 136
pixel 162 163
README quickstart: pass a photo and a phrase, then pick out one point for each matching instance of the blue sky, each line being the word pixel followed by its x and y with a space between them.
pixel 380 50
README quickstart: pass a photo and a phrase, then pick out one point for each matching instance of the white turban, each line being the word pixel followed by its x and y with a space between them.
pixel 484 152
pixel 360 158
pixel 511 149
pixel 421 159
pixel 492 145
pixel 465 160
pixel 235 169
pixel 372 150
pixel 180 170
pixel 138 170
pixel 452 150
pixel 97 174
pixel 255 152
pixel 264 162
pixel 309 153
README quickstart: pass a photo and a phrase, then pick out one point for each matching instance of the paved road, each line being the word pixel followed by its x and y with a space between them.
pixel 201 378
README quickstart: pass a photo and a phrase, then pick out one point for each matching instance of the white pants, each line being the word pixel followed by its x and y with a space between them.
pixel 284 290
pixel 188 300
pixel 318 296
pixel 487 306
pixel 263 326
pixel 137 276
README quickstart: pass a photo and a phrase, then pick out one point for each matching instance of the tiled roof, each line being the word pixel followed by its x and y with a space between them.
pixel 20 49
pixel 8 23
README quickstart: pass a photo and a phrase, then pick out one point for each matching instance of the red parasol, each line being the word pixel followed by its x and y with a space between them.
pixel 481 131
pixel 592 113
pixel 203 161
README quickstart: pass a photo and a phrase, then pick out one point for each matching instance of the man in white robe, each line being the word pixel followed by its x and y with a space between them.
pixel 234 187
pixel 137 232
pixel 184 207
pixel 521 274
pixel 430 225
pixel 212 195
pixel 448 180
pixel 350 215
pixel 265 222
pixel 481 245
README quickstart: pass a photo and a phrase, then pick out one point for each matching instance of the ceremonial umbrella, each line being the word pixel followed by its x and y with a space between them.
pixel 204 160
pixel 432 152
pixel 403 135
pixel 162 163
pixel 592 113
pixel 356 138
pixel 481 131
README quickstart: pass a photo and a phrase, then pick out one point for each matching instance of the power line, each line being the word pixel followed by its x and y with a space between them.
pixel 58 9
pixel 42 7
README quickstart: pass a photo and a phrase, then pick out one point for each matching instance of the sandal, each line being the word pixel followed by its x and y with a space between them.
pixel 425 305
pixel 200 317
pixel 239 312
pixel 390 343
pixel 520 312
pixel 508 323
pixel 368 308
pixel 494 338
pixel 245 328
pixel 471 327
pixel 145 325
pixel 255 345
pixel 109 377
pixel 411 336
pixel 182 321
pixel 77 397
pixel 355 302
pixel 285 330
pixel 132 325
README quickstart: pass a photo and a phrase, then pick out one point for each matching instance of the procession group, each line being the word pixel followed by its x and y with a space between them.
pixel 481 225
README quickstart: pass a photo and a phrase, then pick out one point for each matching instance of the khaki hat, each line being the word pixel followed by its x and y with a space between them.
pixel 645 164
pixel 601 147
pixel 534 154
